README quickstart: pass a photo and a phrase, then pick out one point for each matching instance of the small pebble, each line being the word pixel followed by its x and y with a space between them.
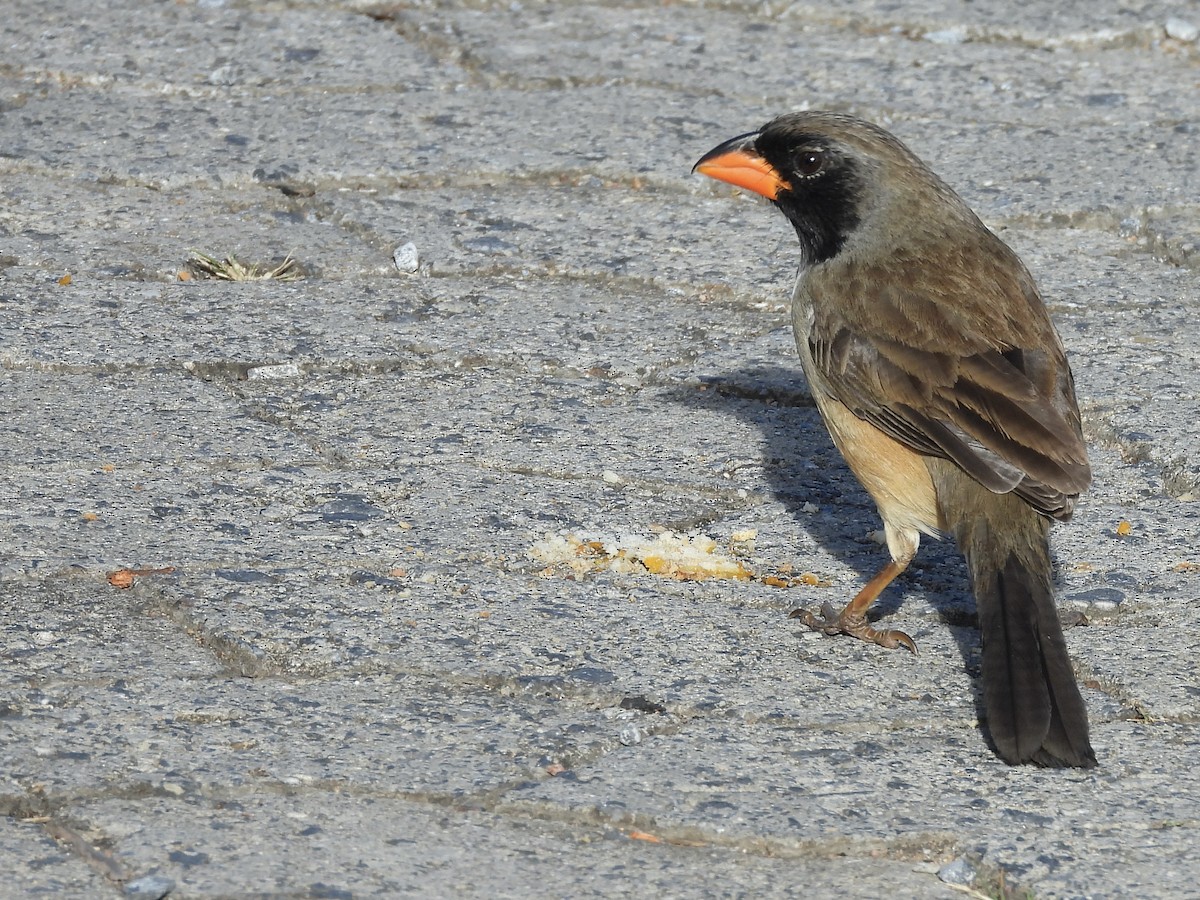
pixel 947 36
pixel 959 872
pixel 1182 30
pixel 150 887
pixel 630 735
pixel 406 258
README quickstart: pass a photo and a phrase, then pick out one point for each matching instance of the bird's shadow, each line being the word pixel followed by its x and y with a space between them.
pixel 801 466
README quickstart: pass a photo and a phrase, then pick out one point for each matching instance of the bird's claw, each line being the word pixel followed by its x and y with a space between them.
pixel 833 622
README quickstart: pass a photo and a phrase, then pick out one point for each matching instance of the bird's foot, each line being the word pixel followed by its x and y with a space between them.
pixel 833 622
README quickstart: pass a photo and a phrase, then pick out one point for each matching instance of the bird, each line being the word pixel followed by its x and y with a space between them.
pixel 943 383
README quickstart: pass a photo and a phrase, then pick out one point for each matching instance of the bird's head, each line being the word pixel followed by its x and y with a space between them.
pixel 828 173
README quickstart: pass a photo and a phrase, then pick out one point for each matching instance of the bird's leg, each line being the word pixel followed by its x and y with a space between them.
pixel 853 619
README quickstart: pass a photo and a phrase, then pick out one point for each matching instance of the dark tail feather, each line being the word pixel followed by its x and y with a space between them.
pixel 1034 709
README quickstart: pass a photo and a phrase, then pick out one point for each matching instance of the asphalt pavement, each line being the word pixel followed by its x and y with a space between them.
pixel 382 576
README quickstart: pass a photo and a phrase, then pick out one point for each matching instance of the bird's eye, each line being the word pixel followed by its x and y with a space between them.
pixel 809 163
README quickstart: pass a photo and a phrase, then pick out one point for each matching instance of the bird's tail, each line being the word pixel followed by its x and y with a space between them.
pixel 1035 712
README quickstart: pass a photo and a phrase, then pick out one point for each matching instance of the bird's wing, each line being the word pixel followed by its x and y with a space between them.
pixel 951 377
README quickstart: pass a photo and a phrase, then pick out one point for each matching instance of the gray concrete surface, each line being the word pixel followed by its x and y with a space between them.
pixel 354 681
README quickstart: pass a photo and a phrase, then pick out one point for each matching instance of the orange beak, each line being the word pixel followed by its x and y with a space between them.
pixel 738 163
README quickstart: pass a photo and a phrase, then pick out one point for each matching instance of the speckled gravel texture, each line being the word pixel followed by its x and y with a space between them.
pixel 338 672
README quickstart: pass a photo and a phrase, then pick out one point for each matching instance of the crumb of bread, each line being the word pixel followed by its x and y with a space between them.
pixel 685 557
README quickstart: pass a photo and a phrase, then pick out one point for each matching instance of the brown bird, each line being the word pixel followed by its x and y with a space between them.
pixel 943 383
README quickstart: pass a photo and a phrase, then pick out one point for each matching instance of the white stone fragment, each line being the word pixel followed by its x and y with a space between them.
pixel 1182 30
pixel 406 258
